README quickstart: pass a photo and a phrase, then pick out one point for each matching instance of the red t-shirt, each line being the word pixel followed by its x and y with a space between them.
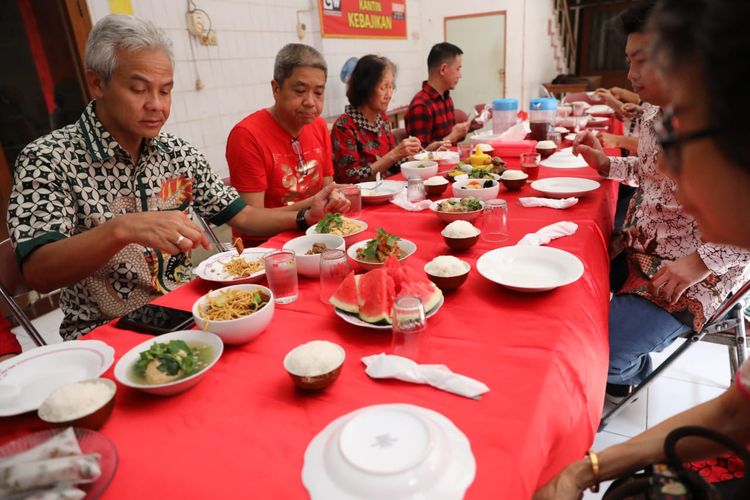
pixel 8 342
pixel 261 158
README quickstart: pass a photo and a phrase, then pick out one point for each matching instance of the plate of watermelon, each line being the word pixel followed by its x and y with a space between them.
pixel 367 299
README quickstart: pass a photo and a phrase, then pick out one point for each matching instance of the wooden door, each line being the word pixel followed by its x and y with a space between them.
pixel 602 46
pixel 43 86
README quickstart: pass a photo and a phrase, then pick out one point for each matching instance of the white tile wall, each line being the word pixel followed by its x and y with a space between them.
pixel 237 72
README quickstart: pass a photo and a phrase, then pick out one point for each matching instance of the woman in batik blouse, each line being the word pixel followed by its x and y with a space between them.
pixel 363 143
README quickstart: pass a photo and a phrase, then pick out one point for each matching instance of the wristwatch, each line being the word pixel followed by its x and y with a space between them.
pixel 301 221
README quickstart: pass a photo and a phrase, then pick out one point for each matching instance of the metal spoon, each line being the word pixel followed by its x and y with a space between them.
pixel 378 182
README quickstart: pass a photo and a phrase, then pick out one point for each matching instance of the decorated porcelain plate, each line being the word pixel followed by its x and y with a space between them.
pixel 393 451
pixel 217 268
pixel 27 379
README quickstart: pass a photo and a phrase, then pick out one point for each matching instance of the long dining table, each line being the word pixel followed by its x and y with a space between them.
pixel 243 430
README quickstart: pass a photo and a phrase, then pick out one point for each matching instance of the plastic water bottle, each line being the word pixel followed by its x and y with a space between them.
pixel 504 115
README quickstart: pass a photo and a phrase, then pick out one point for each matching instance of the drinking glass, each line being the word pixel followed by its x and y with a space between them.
pixel 409 327
pixel 555 137
pixel 495 221
pixel 354 195
pixel 281 272
pixel 579 108
pixel 333 269
pixel 530 165
pixel 464 152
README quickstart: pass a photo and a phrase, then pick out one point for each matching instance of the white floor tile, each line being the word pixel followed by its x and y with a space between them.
pixel 633 419
pixel 48 326
pixel 703 363
pixel 669 396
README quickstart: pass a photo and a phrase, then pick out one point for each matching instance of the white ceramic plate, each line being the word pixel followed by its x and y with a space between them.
pixel 27 379
pixel 570 137
pixel 530 268
pixel 442 157
pixel 212 269
pixel 600 109
pixel 385 192
pixel 565 187
pixel 564 159
pixel 394 451
pixel 597 121
pixel 124 366
pixel 353 319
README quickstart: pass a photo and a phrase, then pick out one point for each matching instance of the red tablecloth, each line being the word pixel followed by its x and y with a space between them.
pixel 243 430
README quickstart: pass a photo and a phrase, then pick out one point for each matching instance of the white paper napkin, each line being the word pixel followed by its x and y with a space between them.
pixel 516 133
pixel 549 233
pixel 532 201
pixel 401 200
pixel 439 376
pixel 484 116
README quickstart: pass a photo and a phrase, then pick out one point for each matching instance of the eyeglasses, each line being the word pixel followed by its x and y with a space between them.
pixel 671 141
pixel 302 166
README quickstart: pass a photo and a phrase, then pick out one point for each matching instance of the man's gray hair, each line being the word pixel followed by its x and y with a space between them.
pixel 118 31
pixel 296 55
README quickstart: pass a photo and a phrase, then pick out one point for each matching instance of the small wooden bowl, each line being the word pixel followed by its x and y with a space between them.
pixel 435 189
pixel 93 420
pixel 460 244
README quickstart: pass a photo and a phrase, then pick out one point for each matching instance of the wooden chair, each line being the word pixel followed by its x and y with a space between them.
pixel 399 134
pixel 726 327
pixel 12 284
pixel 559 90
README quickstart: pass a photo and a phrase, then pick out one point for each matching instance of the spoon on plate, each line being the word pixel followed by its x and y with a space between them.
pixel 378 181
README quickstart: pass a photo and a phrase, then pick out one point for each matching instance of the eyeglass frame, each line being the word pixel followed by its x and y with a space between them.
pixel 302 166
pixel 671 142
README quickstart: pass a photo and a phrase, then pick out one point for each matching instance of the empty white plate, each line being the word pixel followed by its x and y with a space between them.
pixel 393 451
pixel 564 187
pixel 530 268
pixel 385 192
pixel 27 379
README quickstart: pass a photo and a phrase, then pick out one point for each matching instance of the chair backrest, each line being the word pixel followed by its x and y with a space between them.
pixel 10 274
pixel 460 115
pixel 399 134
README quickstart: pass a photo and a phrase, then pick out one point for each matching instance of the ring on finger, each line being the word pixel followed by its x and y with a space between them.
pixel 179 240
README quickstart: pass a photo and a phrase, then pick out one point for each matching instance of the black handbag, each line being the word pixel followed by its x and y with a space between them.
pixel 672 481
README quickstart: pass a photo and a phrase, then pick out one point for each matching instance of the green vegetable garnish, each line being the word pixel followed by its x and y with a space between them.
pixel 173 356
pixel 472 204
pixel 328 221
pixel 384 241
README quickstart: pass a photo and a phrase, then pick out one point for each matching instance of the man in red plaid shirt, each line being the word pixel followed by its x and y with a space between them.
pixel 430 116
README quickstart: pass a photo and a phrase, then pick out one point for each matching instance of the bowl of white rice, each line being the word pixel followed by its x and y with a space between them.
pixel 314 365
pixel 87 404
pixel 460 235
pixel 447 271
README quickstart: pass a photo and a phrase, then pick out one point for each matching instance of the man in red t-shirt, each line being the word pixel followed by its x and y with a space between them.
pixel 430 117
pixel 281 156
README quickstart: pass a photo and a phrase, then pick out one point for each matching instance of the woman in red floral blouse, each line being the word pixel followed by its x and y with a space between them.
pixel 362 140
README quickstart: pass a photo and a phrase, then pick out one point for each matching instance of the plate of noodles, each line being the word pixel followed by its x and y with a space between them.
pixel 333 223
pixel 231 267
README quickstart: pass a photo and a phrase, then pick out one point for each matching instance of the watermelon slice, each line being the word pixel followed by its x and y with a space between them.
pixel 428 293
pixel 376 294
pixel 345 297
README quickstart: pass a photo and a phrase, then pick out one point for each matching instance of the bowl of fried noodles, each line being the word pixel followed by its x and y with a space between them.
pixel 236 313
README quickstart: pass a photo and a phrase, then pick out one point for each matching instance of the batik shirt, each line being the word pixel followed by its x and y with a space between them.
pixel 658 230
pixel 78 177
pixel 357 144
pixel 430 116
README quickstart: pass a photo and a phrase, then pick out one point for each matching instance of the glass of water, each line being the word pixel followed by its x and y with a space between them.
pixel 334 267
pixel 281 272
pixel 495 221
pixel 409 327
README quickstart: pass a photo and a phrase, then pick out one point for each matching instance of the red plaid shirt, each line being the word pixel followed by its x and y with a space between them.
pixel 430 115
pixel 8 342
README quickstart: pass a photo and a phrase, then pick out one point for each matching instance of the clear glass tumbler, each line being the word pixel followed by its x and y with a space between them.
pixel 281 272
pixel 409 327
pixel 495 221
pixel 334 267
pixel 354 195
pixel 530 165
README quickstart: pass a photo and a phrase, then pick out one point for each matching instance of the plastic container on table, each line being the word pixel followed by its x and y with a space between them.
pixel 542 113
pixel 504 115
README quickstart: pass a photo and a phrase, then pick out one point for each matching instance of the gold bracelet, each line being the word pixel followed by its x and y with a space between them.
pixel 594 459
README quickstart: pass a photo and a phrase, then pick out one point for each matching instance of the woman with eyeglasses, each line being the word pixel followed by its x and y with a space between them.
pixel 363 144
pixel 699 47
